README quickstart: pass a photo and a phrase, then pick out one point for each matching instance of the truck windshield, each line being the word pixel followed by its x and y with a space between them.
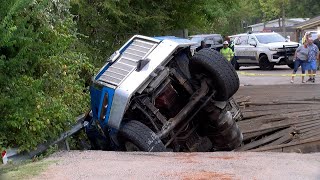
pixel 270 38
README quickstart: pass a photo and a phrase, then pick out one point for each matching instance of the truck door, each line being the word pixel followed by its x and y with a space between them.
pixel 252 50
pixel 240 47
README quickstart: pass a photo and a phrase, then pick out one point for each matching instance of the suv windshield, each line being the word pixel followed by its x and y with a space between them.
pixel 270 38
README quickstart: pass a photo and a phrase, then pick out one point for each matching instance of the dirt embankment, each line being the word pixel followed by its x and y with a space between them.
pixel 217 165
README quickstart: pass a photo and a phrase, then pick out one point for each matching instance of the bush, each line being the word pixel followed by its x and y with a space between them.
pixel 42 75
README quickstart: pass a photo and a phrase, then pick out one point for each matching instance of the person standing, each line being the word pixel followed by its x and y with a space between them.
pixel 301 57
pixel 202 45
pixel 317 42
pixel 313 56
pixel 226 51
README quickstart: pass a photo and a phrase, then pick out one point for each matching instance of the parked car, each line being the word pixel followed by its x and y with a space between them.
pixel 263 49
pixel 213 41
pixel 152 95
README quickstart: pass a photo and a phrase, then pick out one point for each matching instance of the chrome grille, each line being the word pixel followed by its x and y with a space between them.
pixel 127 62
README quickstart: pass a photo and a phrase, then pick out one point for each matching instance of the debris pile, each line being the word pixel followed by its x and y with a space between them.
pixel 280 126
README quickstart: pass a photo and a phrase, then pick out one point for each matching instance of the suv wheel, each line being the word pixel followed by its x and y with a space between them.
pixel 264 63
pixel 135 136
pixel 291 65
pixel 213 65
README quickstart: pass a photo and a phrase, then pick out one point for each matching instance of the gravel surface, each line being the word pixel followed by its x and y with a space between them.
pixel 217 165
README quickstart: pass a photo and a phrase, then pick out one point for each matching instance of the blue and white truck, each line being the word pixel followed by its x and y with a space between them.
pixel 152 95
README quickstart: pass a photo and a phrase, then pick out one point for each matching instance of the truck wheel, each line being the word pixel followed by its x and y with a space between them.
pixel 135 136
pixel 212 64
pixel 291 65
pixel 264 63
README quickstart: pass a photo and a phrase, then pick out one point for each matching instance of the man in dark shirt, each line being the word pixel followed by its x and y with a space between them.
pixel 317 42
pixel 203 45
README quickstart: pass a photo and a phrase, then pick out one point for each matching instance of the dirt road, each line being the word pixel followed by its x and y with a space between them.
pixel 280 75
pixel 218 165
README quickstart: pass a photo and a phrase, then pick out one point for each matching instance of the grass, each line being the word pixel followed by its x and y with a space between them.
pixel 24 170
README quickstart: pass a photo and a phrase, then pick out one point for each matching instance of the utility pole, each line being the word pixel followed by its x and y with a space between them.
pixel 283 19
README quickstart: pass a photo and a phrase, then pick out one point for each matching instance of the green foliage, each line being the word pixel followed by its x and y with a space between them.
pixel 42 75
pixel 49 48
pixel 107 24
pixel 305 8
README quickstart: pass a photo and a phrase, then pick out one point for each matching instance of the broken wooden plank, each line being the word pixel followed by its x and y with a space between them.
pixel 247 136
pixel 306 124
pixel 248 115
pixel 242 99
pixel 279 124
pixel 305 130
pixel 279 117
pixel 277 107
pixel 310 134
pixel 284 139
pixel 264 140
pixel 280 103
pixel 298 145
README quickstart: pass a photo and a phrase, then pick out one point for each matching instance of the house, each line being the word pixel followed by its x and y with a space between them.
pixel 276 26
pixel 309 25
pixel 289 22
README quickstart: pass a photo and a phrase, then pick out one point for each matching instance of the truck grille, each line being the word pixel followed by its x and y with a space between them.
pixel 127 62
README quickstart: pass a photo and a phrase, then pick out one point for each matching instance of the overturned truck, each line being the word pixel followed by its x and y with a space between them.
pixel 152 95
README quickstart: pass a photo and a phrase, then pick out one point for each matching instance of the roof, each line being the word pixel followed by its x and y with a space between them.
pixel 294 20
pixel 309 23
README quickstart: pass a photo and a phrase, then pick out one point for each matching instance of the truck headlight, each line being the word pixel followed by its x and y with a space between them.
pixel 104 107
pixel 273 49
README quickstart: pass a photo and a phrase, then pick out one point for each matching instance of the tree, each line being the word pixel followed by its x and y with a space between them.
pixel 275 9
pixel 42 75
pixel 304 9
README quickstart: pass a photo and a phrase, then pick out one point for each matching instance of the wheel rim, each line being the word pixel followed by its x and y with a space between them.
pixel 129 146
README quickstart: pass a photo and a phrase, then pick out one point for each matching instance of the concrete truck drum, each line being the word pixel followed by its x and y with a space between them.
pixel 152 95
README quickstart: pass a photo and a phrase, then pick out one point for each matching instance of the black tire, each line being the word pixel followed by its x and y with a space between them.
pixel 216 67
pixel 264 63
pixel 141 136
pixel 291 65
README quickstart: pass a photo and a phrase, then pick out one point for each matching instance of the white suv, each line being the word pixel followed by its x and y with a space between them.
pixel 263 49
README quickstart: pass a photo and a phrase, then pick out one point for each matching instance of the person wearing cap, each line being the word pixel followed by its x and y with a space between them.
pixel 226 51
